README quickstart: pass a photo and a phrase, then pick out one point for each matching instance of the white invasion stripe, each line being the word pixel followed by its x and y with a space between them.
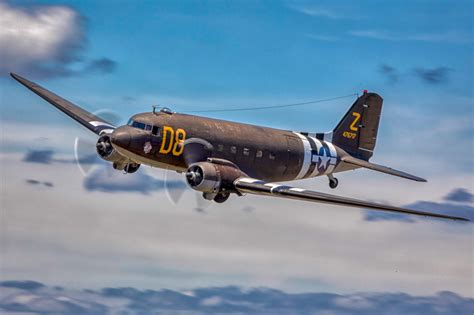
pixel 100 123
pixel 332 162
pixel 247 180
pixel 104 131
pixel 298 189
pixel 332 149
pixel 306 158
pixel 272 186
pixel 318 147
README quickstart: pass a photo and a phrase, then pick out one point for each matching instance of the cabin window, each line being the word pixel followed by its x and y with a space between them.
pixel 259 154
pixel 246 151
pixel 233 149
pixel 156 130
pixel 220 147
pixel 271 156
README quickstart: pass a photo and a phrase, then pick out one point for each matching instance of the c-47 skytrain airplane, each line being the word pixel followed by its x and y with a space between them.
pixel 220 158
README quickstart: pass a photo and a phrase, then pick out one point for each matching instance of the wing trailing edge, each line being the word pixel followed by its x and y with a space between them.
pixel 258 187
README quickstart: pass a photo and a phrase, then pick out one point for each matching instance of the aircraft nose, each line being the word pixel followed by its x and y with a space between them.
pixel 121 137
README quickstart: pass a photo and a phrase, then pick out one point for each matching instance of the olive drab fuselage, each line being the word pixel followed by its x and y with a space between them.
pixel 261 152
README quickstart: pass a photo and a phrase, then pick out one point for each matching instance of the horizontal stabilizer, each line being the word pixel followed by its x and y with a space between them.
pixel 384 169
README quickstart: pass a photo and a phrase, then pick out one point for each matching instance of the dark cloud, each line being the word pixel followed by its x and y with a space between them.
pixel 47 156
pixel 448 208
pixel 389 72
pixel 106 179
pixel 224 300
pixel 102 65
pixel 460 195
pixel 37 182
pixel 433 76
pixel 43 156
pixel 24 285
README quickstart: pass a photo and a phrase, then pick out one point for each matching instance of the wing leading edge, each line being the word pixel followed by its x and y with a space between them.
pixel 88 120
pixel 258 187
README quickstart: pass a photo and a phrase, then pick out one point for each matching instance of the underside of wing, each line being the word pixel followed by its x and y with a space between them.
pixel 258 187
pixel 88 120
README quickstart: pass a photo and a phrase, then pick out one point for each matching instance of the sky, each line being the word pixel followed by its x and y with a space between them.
pixel 92 227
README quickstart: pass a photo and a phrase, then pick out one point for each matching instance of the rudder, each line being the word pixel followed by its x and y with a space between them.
pixel 356 133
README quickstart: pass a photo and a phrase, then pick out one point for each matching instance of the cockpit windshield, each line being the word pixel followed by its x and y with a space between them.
pixel 155 130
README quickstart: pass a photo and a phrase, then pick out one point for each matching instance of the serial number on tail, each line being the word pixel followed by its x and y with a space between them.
pixel 349 135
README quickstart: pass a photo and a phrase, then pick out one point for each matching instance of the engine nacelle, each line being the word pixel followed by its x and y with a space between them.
pixel 212 177
pixel 107 152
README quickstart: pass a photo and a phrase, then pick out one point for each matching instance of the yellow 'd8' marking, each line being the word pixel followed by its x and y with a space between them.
pixel 179 139
pixel 164 149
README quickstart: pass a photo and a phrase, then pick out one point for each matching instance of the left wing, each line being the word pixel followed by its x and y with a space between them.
pixel 88 120
pixel 258 187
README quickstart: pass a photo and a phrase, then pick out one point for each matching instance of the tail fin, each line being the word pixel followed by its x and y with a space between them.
pixel 356 133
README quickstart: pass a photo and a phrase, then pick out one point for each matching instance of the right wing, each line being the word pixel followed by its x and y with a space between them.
pixel 88 120
pixel 258 187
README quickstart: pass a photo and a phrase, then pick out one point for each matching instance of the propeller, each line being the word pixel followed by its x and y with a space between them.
pixel 85 151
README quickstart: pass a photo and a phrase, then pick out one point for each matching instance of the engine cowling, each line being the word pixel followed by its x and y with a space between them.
pixel 212 177
pixel 107 152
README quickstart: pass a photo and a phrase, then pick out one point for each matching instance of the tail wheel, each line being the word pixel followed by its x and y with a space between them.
pixel 221 197
pixel 333 182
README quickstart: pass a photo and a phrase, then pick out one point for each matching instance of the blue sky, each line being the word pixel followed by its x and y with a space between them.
pixel 125 56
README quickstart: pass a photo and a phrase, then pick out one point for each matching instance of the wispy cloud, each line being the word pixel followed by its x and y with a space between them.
pixel 445 37
pixel 328 38
pixel 318 12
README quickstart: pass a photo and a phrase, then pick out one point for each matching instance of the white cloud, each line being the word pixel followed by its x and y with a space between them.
pixel 145 241
pixel 37 35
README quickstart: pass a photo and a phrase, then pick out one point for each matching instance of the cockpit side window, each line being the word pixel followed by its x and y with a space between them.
pixel 148 127
pixel 155 131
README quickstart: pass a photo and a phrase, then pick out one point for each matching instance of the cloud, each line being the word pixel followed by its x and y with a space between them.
pixel 47 156
pixel 389 72
pixel 453 37
pixel 106 179
pixel 315 11
pixel 45 41
pixel 24 285
pixel 459 195
pixel 43 156
pixel 327 38
pixel 102 65
pixel 433 76
pixel 37 182
pixel 222 300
